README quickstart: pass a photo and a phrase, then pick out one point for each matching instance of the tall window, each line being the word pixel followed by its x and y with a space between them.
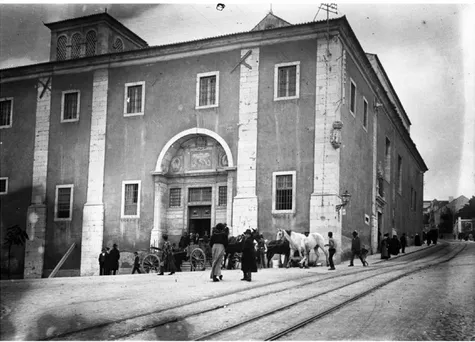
pixel 283 194
pixel 287 81
pixel 131 199
pixel 352 98
pixel 61 48
pixel 64 203
pixel 175 197
pixel 76 45
pixel 223 196
pixel 365 113
pixel 6 110
pixel 70 106
pixel 3 185
pixel 387 161
pixel 134 98
pixel 199 194
pixel 207 90
pixel 91 43
pixel 399 174
pixel 412 198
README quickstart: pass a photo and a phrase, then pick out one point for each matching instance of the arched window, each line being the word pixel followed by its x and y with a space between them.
pixel 118 45
pixel 61 48
pixel 91 43
pixel 76 46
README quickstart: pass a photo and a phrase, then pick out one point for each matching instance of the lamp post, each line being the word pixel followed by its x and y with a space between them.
pixel 345 199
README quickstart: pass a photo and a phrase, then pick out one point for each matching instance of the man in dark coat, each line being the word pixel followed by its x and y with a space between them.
pixel 184 241
pixel 394 245
pixel 385 247
pixel 136 263
pixel 248 260
pixel 107 263
pixel 114 259
pixel 356 249
pixel 417 240
pixel 403 243
pixel 102 262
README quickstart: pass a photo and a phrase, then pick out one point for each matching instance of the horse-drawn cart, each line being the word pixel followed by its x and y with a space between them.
pixel 194 253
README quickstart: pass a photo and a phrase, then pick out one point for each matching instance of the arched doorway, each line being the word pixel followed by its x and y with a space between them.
pixel 194 181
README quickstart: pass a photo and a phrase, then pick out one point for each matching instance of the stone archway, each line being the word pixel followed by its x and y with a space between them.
pixel 196 158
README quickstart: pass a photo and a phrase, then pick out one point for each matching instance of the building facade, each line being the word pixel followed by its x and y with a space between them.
pixel 113 141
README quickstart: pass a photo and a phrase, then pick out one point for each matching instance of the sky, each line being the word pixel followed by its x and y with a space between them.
pixel 427 50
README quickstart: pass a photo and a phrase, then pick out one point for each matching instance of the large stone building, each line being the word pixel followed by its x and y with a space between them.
pixel 113 141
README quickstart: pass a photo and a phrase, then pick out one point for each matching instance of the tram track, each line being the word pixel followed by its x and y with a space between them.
pixel 135 325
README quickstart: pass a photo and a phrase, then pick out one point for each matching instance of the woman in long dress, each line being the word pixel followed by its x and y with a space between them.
pixel 248 260
pixel 385 247
pixel 218 244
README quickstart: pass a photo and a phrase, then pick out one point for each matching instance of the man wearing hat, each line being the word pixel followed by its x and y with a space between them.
pixel 248 260
pixel 356 249
pixel 114 256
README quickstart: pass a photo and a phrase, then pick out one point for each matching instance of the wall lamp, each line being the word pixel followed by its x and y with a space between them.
pixel 345 199
pixel 220 6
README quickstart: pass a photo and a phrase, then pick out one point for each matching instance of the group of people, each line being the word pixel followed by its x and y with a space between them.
pixel 393 246
pixel 109 260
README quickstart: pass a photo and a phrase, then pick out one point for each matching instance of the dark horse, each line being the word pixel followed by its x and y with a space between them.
pixel 278 247
pixel 235 244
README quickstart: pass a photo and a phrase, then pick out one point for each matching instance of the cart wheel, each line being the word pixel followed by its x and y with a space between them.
pixel 198 259
pixel 151 263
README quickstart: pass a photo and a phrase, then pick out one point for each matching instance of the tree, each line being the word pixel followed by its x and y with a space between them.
pixel 15 236
pixel 468 211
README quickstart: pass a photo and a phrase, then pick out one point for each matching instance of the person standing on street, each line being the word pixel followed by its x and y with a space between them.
pixel 261 251
pixel 114 256
pixel 248 260
pixel 331 250
pixel 102 262
pixel 385 247
pixel 403 242
pixel 218 244
pixel 169 260
pixel 356 249
pixel 394 245
pixel 136 263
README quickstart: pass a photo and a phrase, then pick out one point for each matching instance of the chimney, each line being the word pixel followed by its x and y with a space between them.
pixel 451 198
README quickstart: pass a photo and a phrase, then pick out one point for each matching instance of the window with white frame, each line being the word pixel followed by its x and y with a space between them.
pixel 70 105
pixel 63 204
pixel 207 90
pixel 130 199
pixel 175 197
pixel 134 100
pixel 352 97
pixel 6 111
pixel 365 113
pixel 3 185
pixel 287 81
pixel 283 192
pixel 222 196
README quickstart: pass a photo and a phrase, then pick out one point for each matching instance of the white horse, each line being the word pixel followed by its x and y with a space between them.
pixel 303 244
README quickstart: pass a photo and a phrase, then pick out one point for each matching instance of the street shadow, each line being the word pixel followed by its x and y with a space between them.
pixel 177 331
pixel 11 293
pixel 49 326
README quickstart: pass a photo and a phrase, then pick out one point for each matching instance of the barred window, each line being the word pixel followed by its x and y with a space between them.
pixel 283 199
pixel 118 45
pixel 175 197
pixel 131 199
pixel 199 194
pixel 70 105
pixel 6 109
pixel 222 196
pixel 3 185
pixel 353 97
pixel 207 89
pixel 76 45
pixel 91 40
pixel 134 98
pixel 64 202
pixel 365 113
pixel 286 81
pixel 61 48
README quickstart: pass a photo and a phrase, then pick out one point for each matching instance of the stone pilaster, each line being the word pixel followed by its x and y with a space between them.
pixel 245 202
pixel 329 97
pixel 36 221
pixel 93 212
pixel 229 208
pixel 374 215
pixel 159 211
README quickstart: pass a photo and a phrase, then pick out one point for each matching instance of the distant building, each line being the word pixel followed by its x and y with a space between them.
pixel 112 141
pixel 439 208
